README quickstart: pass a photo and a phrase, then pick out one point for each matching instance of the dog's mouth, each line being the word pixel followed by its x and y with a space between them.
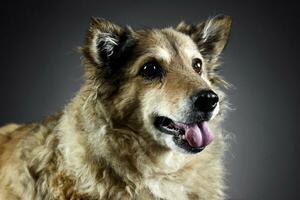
pixel 192 137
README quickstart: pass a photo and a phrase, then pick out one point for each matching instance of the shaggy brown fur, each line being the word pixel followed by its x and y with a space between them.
pixel 104 145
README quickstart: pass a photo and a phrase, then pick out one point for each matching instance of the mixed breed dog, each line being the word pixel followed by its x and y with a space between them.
pixel 144 125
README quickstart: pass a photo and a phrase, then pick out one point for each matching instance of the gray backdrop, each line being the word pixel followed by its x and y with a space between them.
pixel 41 71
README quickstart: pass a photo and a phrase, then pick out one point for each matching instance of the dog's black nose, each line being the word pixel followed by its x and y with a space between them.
pixel 206 100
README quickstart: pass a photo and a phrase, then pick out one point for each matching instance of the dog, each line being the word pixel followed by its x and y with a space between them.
pixel 144 125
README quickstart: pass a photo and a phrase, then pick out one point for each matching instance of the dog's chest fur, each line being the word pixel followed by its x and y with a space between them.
pixel 171 176
pixel 58 177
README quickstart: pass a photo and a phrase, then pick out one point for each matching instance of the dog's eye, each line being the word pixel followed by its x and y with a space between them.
pixel 197 65
pixel 151 70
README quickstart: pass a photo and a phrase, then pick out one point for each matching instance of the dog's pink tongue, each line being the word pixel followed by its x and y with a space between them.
pixel 198 135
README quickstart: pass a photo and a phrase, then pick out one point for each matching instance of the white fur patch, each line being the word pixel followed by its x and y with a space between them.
pixel 206 30
pixel 191 51
pixel 216 111
pixel 209 29
pixel 162 53
pixel 109 42
pixel 164 189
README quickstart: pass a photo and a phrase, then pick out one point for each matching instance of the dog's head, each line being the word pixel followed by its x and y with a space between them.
pixel 159 83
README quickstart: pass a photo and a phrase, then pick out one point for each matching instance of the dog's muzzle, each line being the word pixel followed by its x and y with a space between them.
pixel 192 133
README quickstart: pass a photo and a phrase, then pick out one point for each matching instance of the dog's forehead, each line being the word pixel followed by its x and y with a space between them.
pixel 180 42
pixel 166 43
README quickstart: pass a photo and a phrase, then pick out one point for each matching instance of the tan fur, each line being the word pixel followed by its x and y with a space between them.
pixel 102 146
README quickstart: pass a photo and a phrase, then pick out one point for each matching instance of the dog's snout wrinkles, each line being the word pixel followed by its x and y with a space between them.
pixel 206 100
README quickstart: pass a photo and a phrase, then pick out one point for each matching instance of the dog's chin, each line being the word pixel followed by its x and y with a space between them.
pixel 191 137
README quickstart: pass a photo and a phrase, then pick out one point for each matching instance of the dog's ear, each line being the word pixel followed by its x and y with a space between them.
pixel 210 36
pixel 107 44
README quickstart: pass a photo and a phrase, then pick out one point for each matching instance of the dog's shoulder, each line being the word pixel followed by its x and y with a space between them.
pixel 8 128
pixel 26 150
pixel 8 136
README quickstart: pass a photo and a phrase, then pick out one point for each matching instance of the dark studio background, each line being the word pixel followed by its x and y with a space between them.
pixel 41 71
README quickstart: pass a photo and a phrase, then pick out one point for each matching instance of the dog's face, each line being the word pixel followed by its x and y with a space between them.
pixel 160 83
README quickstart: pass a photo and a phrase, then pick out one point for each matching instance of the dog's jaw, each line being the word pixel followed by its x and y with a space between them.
pixel 190 137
